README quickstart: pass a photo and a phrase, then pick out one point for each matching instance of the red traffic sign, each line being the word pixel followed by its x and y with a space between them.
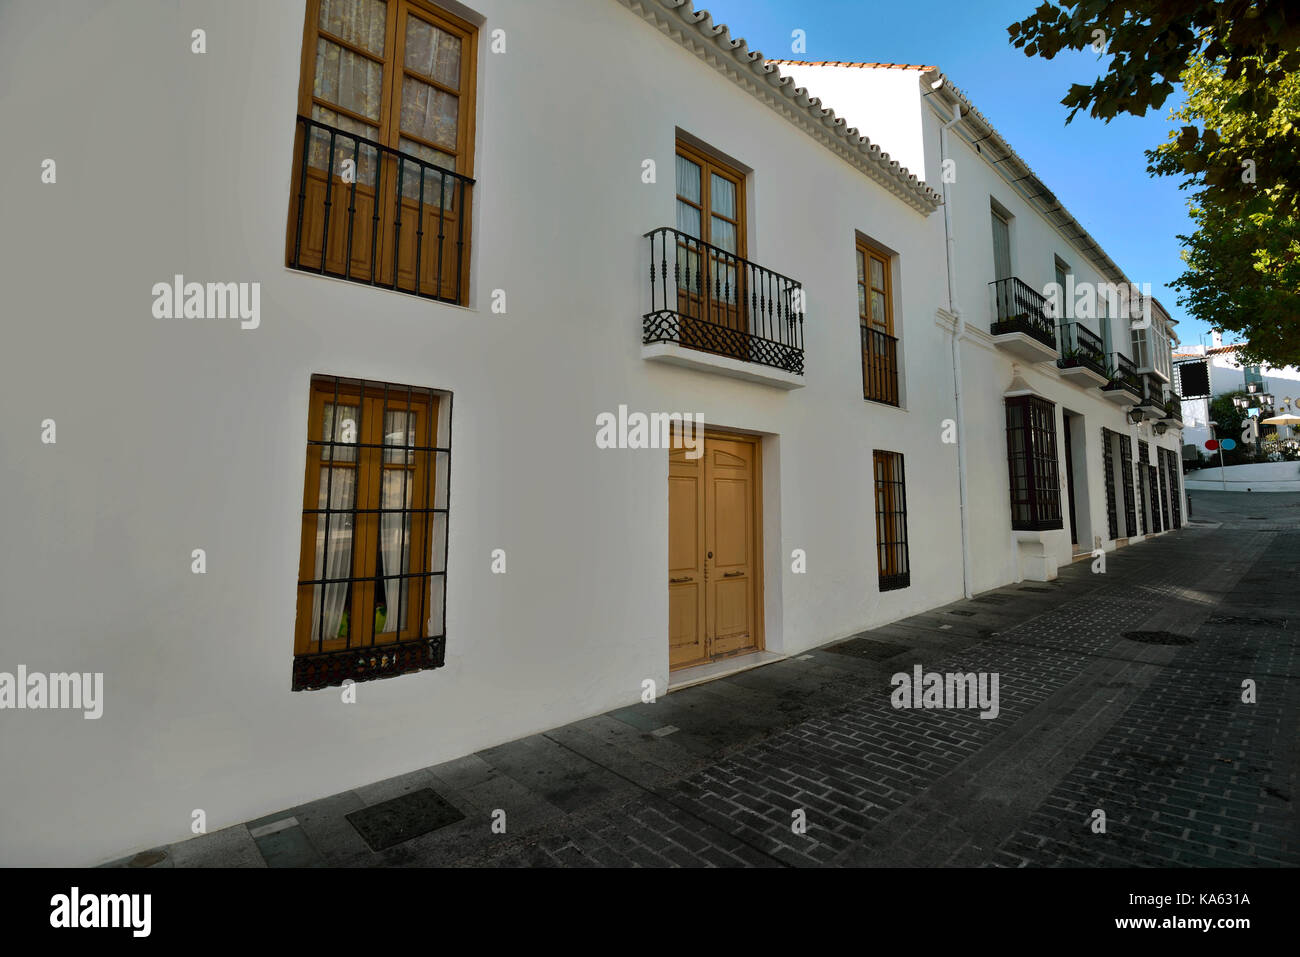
pixel 1211 444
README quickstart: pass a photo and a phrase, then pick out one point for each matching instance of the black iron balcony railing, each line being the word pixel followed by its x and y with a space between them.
pixel 1123 374
pixel 715 301
pixel 1174 407
pixel 1021 308
pixel 1153 392
pixel 1081 348
pixel 372 214
pixel 879 366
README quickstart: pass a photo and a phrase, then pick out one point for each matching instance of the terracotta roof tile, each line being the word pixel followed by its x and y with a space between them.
pixel 860 66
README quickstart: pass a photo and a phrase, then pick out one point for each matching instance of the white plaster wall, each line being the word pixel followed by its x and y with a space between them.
pixel 987 371
pixel 177 435
pixel 881 103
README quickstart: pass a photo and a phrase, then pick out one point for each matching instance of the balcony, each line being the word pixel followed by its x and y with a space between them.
pixel 1082 355
pixel 1022 326
pixel 396 222
pixel 1173 411
pixel 879 366
pixel 1152 403
pixel 1125 385
pixel 722 313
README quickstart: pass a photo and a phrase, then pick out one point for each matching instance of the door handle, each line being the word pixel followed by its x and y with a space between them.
pixel 732 574
pixel 677 581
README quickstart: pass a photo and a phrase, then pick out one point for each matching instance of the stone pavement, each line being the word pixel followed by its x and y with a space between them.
pixel 1149 729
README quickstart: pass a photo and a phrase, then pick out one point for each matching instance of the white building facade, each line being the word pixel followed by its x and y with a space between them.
pixel 330 456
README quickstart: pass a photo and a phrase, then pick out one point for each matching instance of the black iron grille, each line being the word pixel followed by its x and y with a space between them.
pixel 891 521
pixel 374 544
pixel 400 223
pixel 715 301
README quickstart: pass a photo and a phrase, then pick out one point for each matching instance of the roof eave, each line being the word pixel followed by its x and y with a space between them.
pixel 695 30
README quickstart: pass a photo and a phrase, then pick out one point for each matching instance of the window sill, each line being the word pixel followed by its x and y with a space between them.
pixel 673 354
pixel 312 672
pixel 880 404
pixel 388 289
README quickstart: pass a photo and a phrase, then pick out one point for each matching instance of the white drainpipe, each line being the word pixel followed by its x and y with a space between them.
pixel 959 332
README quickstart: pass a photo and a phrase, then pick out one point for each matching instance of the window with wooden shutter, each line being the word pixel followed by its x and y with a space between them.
pixel 892 559
pixel 372 560
pixel 384 162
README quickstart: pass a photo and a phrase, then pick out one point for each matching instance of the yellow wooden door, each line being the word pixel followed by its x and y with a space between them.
pixel 686 636
pixel 714 587
pixel 729 542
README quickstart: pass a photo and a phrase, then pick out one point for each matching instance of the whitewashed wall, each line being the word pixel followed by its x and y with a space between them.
pixel 176 435
pixel 906 124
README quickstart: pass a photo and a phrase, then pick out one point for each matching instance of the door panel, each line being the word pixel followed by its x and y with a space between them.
pixel 729 507
pixel 686 635
pixel 714 596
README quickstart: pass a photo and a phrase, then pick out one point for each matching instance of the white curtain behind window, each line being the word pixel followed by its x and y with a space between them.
pixel 341 491
pixel 395 527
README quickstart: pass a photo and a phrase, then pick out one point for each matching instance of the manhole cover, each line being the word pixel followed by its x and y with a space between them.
pixel 1034 588
pixel 402 818
pixel 1157 638
pixel 868 649
pixel 964 614
pixel 993 599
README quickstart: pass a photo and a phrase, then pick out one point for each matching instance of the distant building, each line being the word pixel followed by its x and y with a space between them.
pixel 1219 370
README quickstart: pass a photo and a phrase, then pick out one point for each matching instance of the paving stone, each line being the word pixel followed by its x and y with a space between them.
pixel 1155 735
pixel 229 847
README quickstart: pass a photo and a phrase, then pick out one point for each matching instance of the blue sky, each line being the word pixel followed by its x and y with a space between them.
pixel 1097 169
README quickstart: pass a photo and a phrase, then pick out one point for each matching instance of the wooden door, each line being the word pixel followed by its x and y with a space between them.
pixel 715 570
pixel 686 633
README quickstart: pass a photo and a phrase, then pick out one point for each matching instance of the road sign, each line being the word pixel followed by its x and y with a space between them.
pixel 1211 444
pixel 1229 445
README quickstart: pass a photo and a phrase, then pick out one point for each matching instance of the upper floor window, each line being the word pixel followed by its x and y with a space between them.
pixel 1153 349
pixel 1031 460
pixel 705 294
pixel 876 319
pixel 1062 272
pixel 1001 245
pixel 710 200
pixel 713 281
pixel 384 152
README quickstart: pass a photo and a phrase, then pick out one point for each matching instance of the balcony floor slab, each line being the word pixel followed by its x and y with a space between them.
pixel 673 354
pixel 1025 347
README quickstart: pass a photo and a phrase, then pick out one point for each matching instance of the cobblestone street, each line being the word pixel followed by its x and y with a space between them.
pixel 1119 692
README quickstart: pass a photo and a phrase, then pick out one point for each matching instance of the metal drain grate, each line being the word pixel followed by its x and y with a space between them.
pixel 867 648
pixel 1157 638
pixel 1234 620
pixel 1034 588
pixel 392 822
pixel 964 614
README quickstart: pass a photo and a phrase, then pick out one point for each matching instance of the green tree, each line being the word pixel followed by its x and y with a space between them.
pixel 1237 148
pixel 1230 419
pixel 1152 42
pixel 1243 260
